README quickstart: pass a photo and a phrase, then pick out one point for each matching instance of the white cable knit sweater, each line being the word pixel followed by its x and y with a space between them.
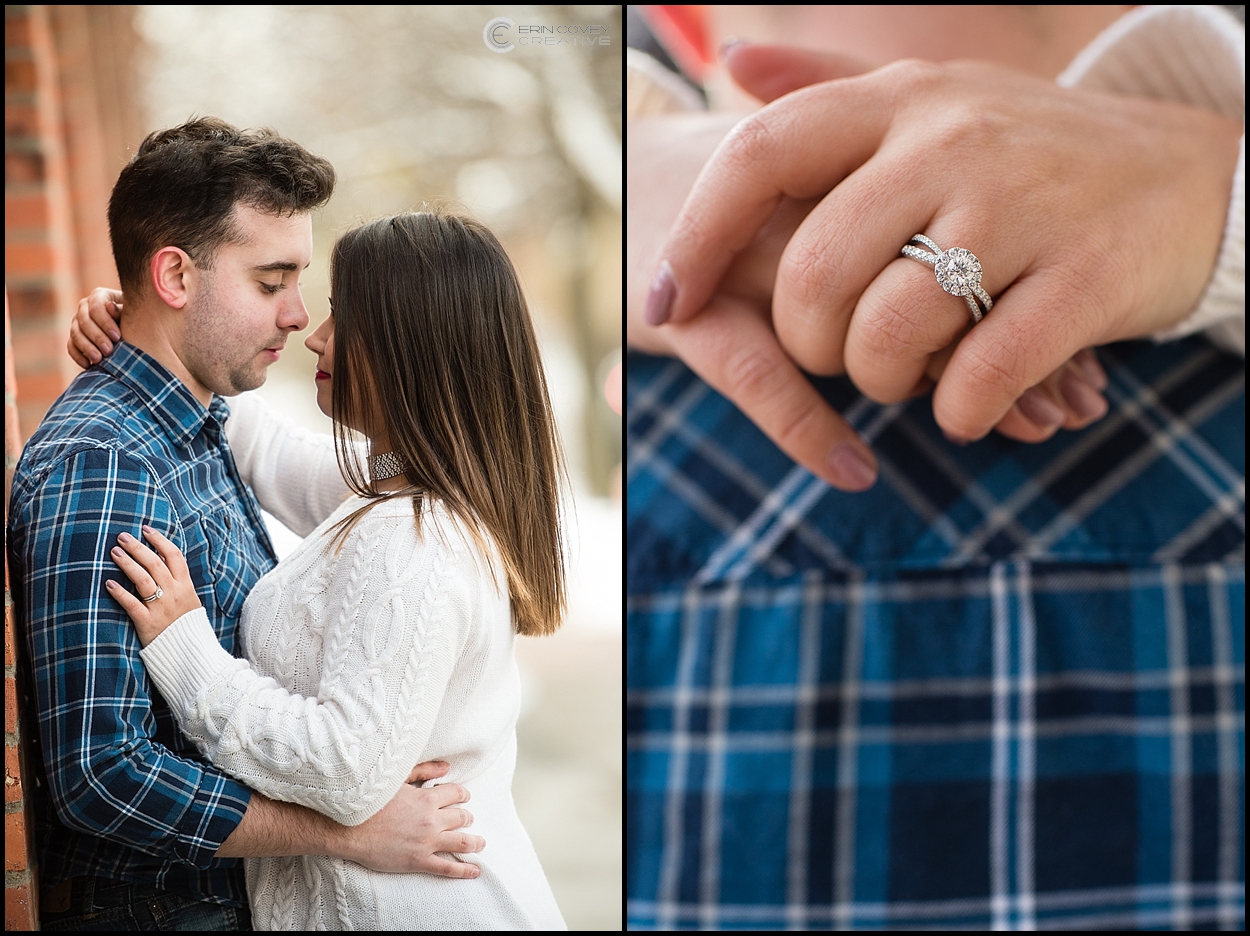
pixel 360 665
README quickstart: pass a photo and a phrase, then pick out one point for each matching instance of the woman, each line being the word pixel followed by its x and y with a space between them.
pixel 386 637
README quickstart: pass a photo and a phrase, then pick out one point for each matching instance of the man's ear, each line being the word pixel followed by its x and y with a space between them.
pixel 172 270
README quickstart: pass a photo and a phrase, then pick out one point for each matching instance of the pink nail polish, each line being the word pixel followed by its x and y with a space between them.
pixel 115 335
pixel 1085 401
pixel 1087 362
pixel 1040 409
pixel 852 468
pixel 660 299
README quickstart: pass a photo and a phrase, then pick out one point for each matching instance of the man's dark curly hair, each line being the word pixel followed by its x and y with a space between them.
pixel 180 190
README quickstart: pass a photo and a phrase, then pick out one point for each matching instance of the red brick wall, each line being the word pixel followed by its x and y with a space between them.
pixel 20 887
pixel 71 121
pixel 39 255
pixel 70 125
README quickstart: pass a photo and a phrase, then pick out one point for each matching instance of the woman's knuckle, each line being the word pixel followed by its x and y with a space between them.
pixel 993 371
pixel 894 325
pixel 799 424
pixel 752 373
pixel 811 272
pixel 912 75
pixel 749 144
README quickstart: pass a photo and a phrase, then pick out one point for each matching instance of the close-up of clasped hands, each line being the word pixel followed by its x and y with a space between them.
pixel 1088 218
pixel 935 466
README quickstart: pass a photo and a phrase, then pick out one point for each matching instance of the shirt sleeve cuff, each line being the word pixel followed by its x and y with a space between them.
pixel 185 659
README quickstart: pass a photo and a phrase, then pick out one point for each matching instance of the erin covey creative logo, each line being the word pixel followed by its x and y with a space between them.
pixel 503 35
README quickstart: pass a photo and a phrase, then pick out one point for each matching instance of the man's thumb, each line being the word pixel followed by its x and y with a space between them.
pixel 770 71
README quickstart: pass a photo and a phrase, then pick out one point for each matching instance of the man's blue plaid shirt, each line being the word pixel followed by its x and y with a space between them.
pixel 1005 688
pixel 122 793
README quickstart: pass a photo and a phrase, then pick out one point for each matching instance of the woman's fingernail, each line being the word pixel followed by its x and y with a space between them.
pixel 1039 408
pixel 148 529
pixel 106 348
pixel 1087 361
pixel 660 299
pixel 125 537
pixel 851 467
pixel 115 335
pixel 117 551
pixel 1085 401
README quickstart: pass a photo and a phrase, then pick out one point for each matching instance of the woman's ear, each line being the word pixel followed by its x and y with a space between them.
pixel 170 271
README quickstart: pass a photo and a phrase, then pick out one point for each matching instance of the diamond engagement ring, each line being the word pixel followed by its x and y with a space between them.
pixel 958 272
pixel 158 594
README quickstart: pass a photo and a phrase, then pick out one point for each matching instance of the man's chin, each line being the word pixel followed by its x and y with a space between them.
pixel 241 382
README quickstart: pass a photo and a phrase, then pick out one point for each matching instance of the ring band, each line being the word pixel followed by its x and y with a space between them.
pixel 158 594
pixel 958 272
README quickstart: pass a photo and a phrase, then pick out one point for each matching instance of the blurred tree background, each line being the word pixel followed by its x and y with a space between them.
pixel 411 106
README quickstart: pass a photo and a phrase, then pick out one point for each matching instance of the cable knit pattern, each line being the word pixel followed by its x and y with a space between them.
pixel 397 650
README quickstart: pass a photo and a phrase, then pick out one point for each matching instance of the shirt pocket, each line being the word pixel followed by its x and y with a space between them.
pixel 227 560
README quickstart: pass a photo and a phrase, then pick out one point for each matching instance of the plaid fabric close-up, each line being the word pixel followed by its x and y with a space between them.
pixel 1004 688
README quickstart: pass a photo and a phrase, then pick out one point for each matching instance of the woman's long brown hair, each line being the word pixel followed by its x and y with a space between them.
pixel 433 334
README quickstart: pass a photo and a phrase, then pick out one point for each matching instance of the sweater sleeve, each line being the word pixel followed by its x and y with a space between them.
pixel 293 472
pixel 1192 55
pixel 388 652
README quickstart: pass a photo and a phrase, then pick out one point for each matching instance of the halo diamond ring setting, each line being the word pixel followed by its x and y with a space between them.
pixel 159 592
pixel 958 272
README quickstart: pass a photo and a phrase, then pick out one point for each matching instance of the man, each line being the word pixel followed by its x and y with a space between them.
pixel 210 229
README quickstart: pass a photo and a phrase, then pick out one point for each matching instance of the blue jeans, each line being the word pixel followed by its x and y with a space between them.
pixel 97 903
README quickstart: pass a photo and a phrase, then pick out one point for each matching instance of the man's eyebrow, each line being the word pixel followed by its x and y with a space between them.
pixel 279 265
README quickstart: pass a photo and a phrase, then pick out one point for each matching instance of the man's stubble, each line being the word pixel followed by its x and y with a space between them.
pixel 214 353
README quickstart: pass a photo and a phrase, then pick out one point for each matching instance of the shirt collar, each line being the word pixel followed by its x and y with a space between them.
pixel 168 399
